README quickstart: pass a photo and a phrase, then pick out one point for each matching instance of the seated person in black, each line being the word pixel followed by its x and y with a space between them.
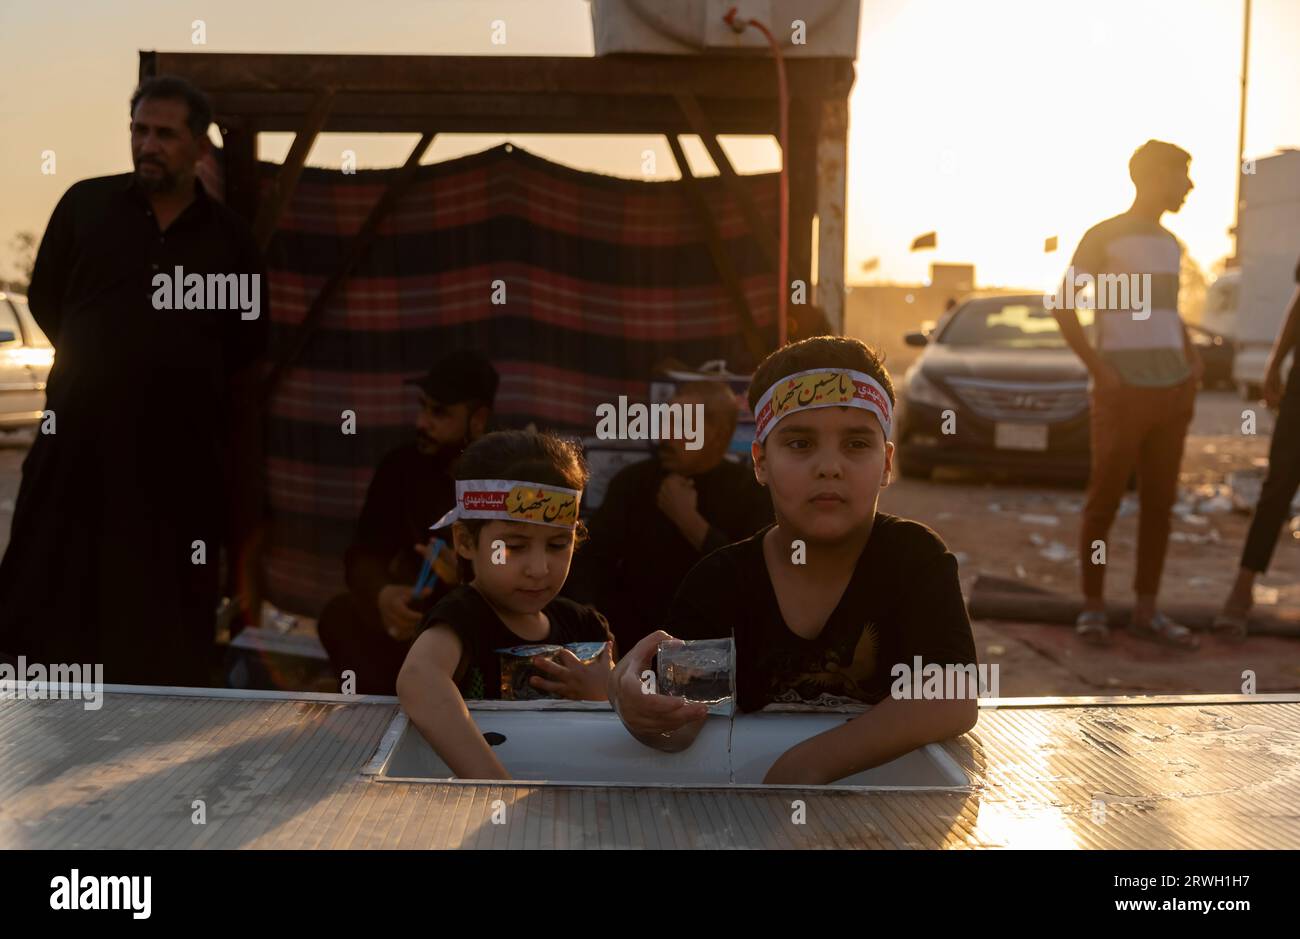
pixel 514 527
pixel 830 601
pixel 368 630
pixel 662 515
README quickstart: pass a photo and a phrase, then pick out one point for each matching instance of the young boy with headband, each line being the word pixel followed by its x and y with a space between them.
pixel 827 601
pixel 515 526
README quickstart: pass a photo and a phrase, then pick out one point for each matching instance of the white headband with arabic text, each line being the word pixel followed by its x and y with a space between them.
pixel 511 500
pixel 821 388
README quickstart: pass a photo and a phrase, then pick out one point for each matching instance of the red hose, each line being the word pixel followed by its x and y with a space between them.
pixel 783 104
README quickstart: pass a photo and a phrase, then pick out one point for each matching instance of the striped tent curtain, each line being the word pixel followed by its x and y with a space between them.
pixel 577 287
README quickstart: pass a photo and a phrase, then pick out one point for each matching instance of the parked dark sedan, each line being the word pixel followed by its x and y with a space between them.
pixel 996 388
pixel 1217 352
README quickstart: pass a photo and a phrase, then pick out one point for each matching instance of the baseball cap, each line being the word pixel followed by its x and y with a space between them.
pixel 464 375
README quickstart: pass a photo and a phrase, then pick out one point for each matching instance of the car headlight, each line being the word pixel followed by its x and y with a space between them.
pixel 920 390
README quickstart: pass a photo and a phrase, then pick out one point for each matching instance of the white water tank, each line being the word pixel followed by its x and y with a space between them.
pixel 803 28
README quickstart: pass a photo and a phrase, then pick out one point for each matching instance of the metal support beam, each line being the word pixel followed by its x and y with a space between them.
pixel 239 149
pixel 729 77
pixel 703 127
pixel 470 113
pixel 832 159
pixel 357 249
pixel 718 252
pixel 803 191
pixel 286 180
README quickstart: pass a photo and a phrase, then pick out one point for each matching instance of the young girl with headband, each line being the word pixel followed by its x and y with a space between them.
pixel 514 528
pixel 827 604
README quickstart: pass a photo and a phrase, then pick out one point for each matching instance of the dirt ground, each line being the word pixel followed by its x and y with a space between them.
pixel 1025 531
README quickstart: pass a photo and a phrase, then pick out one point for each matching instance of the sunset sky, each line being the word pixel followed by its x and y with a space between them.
pixel 996 123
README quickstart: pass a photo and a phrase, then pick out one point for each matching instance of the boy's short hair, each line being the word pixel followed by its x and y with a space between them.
pixel 819 352
pixel 1155 157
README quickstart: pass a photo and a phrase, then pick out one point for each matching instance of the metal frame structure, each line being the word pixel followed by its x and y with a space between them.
pixel 310 94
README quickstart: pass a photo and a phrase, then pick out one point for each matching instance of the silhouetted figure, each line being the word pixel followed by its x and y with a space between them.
pixel 116 541
pixel 1144 372
pixel 1281 481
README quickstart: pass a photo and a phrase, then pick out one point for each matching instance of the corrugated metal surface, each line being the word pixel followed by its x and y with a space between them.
pixel 285 773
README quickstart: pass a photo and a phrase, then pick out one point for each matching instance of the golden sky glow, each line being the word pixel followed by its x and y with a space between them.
pixel 996 123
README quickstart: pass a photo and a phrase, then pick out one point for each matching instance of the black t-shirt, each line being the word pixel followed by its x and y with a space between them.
pixel 482 632
pixel 903 600
pixel 636 558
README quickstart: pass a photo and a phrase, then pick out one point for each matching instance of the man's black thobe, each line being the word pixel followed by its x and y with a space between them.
pixel 101 560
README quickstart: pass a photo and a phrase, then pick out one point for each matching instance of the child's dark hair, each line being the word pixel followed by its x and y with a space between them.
pixel 524 455
pixel 819 352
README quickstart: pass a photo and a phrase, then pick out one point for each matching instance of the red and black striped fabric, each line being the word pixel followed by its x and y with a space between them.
pixel 604 280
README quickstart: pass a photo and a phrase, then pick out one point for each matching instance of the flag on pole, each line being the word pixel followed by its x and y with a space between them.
pixel 928 240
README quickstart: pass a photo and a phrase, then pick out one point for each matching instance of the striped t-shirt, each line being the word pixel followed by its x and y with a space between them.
pixel 1145 349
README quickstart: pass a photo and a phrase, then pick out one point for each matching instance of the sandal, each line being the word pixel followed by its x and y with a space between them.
pixel 1230 627
pixel 1091 626
pixel 1165 631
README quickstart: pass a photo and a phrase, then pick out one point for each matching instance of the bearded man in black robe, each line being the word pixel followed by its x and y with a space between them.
pixel 155 298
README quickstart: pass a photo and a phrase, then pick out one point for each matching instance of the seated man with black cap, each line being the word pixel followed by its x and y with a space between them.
pixel 369 629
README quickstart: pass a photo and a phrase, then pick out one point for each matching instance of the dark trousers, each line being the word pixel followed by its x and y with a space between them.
pixel 1280 483
pixel 358 643
pixel 1140 429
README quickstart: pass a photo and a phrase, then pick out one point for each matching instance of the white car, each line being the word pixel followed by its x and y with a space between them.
pixel 25 359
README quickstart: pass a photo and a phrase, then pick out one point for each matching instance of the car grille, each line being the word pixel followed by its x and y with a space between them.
pixel 1038 402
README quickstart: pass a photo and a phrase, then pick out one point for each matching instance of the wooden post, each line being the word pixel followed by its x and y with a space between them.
pixel 832 157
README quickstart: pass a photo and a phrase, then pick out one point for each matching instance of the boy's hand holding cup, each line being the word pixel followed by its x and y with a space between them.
pixel 648 713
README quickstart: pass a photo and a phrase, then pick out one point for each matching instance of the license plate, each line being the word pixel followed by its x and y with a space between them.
pixel 1020 436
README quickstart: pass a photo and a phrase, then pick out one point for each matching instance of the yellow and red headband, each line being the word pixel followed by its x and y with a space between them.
pixel 821 388
pixel 510 500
